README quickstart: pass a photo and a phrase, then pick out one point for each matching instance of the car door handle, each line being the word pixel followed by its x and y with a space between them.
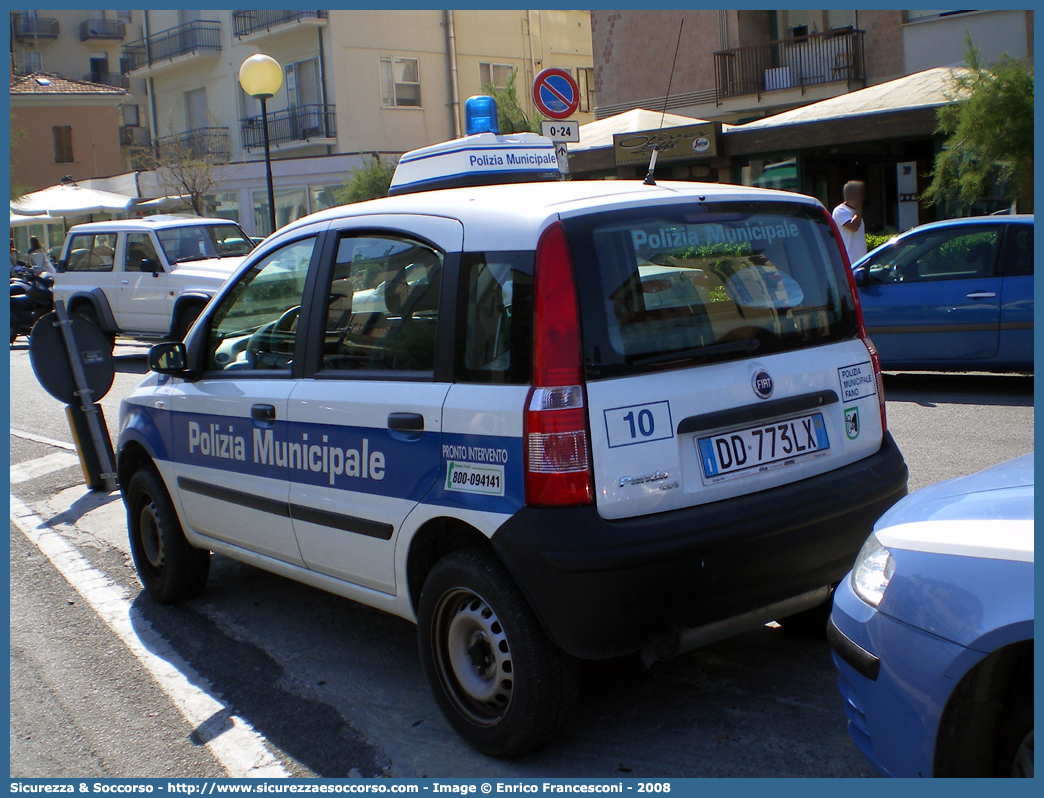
pixel 263 413
pixel 124 282
pixel 982 295
pixel 406 422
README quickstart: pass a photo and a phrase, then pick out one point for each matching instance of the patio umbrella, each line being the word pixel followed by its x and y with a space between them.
pixel 18 220
pixel 71 200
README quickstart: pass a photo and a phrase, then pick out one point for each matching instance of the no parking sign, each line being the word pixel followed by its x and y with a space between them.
pixel 555 93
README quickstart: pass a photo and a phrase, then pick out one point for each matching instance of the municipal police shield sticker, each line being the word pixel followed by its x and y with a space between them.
pixel 852 422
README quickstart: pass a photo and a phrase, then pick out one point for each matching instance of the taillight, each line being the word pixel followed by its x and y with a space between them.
pixel 558 457
pixel 876 361
pixel 870 348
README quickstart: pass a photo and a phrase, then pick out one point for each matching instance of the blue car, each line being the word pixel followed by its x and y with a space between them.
pixel 952 296
pixel 932 631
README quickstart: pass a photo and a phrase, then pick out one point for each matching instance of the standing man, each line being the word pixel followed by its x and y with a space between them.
pixel 849 218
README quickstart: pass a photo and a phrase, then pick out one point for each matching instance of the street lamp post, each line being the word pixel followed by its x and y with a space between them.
pixel 261 77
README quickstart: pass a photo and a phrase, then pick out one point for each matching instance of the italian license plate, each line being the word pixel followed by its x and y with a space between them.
pixel 763 448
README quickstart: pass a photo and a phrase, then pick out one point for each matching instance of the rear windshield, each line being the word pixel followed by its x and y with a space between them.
pixel 665 288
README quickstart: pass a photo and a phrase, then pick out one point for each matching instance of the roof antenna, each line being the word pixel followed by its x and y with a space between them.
pixel 650 179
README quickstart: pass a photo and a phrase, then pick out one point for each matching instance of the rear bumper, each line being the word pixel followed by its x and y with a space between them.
pixel 605 588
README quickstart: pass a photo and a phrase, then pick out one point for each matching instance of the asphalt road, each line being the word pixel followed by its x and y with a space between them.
pixel 335 689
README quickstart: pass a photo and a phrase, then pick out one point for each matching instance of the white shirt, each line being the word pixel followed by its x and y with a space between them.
pixel 855 243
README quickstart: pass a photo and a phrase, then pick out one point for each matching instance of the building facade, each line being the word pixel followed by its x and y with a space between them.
pixel 86 46
pixel 380 82
pixel 739 65
pixel 756 69
pixel 63 128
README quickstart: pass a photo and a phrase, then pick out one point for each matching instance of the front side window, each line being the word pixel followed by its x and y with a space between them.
pixel 683 286
pixel 255 326
pixel 400 82
pixel 383 307
pixel 203 241
pixel 140 249
pixel 91 253
pixel 943 254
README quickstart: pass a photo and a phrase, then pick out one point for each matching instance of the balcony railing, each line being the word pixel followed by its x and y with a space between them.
pixel 108 79
pixel 27 28
pixel 200 35
pixel 245 23
pixel 114 29
pixel 792 63
pixel 302 123
pixel 204 143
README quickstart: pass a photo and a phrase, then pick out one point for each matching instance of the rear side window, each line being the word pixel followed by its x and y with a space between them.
pixel 91 253
pixel 496 318
pixel 383 305
pixel 680 286
pixel 1018 251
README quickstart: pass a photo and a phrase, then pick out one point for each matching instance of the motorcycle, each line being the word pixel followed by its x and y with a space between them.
pixel 32 296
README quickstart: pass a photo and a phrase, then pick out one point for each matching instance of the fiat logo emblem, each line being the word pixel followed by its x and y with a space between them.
pixel 762 383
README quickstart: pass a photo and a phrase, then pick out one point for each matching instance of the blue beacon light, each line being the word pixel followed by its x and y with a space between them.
pixel 480 115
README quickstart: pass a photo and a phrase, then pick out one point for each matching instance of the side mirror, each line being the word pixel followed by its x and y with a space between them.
pixel 169 358
pixel 61 266
pixel 862 275
pixel 152 266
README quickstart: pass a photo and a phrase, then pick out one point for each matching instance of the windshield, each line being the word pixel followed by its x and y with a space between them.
pixel 680 286
pixel 202 241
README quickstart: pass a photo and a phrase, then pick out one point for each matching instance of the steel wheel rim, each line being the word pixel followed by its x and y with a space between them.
pixel 149 535
pixel 473 656
pixel 1022 767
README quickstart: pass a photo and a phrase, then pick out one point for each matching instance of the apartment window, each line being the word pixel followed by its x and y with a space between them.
pixel 400 82
pixel 840 18
pixel 125 14
pixel 585 82
pixel 131 115
pixel 495 75
pixel 302 83
pixel 31 61
pixel 63 149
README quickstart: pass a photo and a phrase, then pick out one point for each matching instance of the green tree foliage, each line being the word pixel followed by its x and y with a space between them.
pixel 989 134
pixel 510 115
pixel 370 182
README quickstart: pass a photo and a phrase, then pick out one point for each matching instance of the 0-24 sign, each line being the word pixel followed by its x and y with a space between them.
pixel 558 130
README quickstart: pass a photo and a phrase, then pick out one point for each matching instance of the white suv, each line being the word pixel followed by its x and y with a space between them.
pixel 150 276
pixel 544 421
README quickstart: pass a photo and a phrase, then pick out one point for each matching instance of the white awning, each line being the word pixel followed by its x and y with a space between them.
pixel 931 88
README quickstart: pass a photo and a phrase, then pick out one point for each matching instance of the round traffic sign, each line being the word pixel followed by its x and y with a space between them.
pixel 51 364
pixel 555 93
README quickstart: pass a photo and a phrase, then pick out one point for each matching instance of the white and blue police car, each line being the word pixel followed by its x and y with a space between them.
pixel 545 420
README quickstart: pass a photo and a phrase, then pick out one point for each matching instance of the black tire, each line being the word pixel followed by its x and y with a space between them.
pixel 185 321
pixel 511 690
pixel 89 314
pixel 169 567
pixel 811 623
pixel 1015 751
pixel 14 330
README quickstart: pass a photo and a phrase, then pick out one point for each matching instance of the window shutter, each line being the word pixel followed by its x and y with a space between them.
pixel 839 18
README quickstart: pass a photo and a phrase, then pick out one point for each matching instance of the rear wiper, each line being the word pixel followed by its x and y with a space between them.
pixel 702 351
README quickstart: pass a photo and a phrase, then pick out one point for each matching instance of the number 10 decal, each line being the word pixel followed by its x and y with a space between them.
pixel 626 426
